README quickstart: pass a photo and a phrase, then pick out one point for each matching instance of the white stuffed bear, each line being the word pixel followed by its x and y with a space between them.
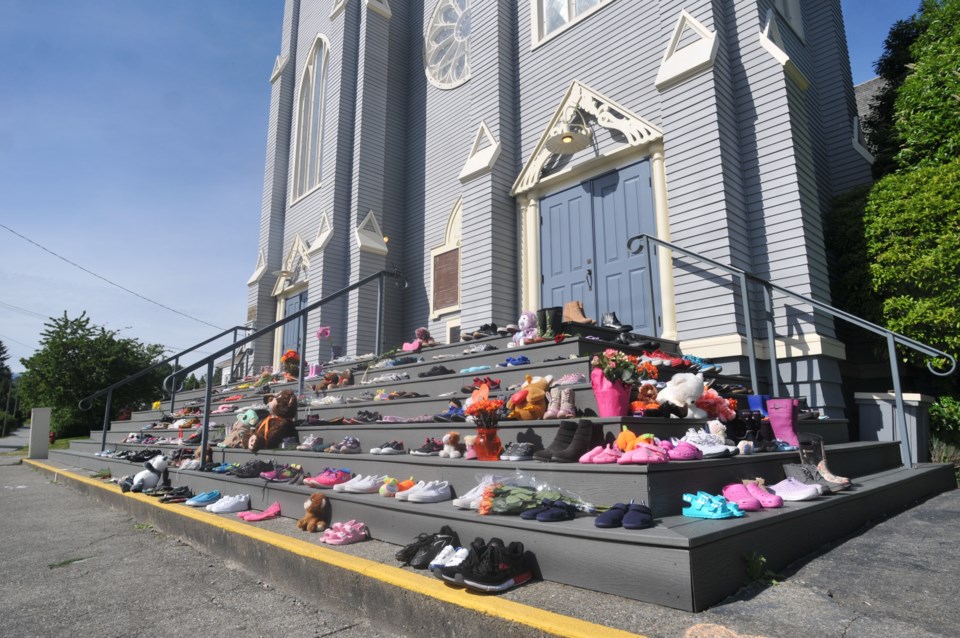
pixel 156 470
pixel 679 397
pixel 451 446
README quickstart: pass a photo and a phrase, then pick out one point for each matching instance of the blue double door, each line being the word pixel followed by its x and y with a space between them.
pixel 583 248
pixel 293 331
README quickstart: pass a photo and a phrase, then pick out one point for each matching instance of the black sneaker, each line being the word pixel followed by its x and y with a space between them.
pixel 454 575
pixel 252 469
pixel 407 554
pixel 499 569
pixel 431 447
pixel 423 557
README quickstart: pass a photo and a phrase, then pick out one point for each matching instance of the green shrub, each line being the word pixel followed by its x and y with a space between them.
pixel 945 419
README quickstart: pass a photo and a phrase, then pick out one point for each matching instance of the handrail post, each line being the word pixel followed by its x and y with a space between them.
pixel 106 421
pixel 379 333
pixel 303 354
pixel 748 326
pixel 204 433
pixel 905 455
pixel 233 354
pixel 173 391
pixel 650 282
pixel 771 342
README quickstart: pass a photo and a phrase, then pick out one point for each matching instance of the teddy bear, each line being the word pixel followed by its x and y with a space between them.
pixel 313 520
pixel 679 397
pixel 422 340
pixel 646 402
pixel 155 471
pixel 279 425
pixel 528 329
pixel 451 446
pixel 530 402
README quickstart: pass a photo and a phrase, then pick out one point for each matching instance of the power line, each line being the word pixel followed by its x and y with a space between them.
pixel 10 306
pixel 90 272
pixel 15 341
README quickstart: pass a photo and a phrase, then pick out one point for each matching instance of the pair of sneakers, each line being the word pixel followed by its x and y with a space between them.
pixel 431 447
pixel 349 445
pixel 517 452
pixel 389 448
pixel 489 567
pixel 361 484
pixel 449 556
pixel 204 498
pixel 330 477
pixel 227 504
pixel 312 443
pixel 426 492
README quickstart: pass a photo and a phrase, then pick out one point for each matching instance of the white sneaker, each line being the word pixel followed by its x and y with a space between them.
pixel 367 485
pixel 342 487
pixel 458 557
pixel 440 560
pixel 432 493
pixel 238 503
pixel 404 495
pixel 471 500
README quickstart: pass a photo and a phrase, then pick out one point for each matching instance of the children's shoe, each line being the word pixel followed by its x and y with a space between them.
pixel 349 445
pixel 230 504
pixel 328 478
pixel 517 452
pixel 203 499
pixel 499 569
pixel 431 447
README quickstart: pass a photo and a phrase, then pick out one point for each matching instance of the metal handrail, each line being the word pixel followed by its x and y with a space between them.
pixel 303 312
pixel 87 402
pixel 744 276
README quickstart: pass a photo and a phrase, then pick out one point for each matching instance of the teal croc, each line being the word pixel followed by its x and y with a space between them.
pixel 703 505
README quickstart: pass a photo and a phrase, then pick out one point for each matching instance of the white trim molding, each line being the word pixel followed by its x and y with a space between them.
pixel 605 113
pixel 772 42
pixel 370 237
pixel 538 33
pixel 681 63
pixel 451 241
pixel 295 269
pixel 260 270
pixel 338 7
pixel 735 345
pixel 379 6
pixel 324 234
pixel 278 67
pixel 483 154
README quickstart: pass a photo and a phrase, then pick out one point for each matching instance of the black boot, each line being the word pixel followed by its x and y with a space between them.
pixel 555 321
pixel 542 326
pixel 610 320
pixel 587 437
pixel 560 443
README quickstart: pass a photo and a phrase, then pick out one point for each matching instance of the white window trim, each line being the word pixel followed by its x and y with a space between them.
pixel 321 77
pixel 536 22
pixel 451 241
pixel 260 270
pixel 679 64
pixel 369 236
pixel 483 154
pixel 324 234
pixel 435 81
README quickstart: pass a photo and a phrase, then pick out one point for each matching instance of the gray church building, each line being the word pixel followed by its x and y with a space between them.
pixel 501 152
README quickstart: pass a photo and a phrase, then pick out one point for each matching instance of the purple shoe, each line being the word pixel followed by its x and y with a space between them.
pixel 791 489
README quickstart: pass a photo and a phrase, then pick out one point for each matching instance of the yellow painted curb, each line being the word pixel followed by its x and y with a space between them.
pixel 508 610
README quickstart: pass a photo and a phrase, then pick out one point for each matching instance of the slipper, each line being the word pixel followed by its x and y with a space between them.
pixel 613 517
pixel 533 512
pixel 351 532
pixel 610 454
pixel 737 493
pixel 252 517
pixel 703 505
pixel 638 516
pixel 644 454
pixel 590 454
pixel 561 511
pixel 684 451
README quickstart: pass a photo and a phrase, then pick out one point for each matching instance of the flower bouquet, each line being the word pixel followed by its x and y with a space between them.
pixel 484 412
pixel 291 365
pixel 613 375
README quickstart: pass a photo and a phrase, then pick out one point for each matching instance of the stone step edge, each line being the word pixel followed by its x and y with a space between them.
pixel 492 615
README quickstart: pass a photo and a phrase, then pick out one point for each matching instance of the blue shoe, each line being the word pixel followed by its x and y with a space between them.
pixel 474 369
pixel 206 498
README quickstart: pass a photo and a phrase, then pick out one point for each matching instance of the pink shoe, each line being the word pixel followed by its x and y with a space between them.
pixel 589 456
pixel 666 444
pixel 766 498
pixel 609 454
pixel 644 454
pixel 737 493
pixel 252 517
pixel 685 452
pixel 328 478
pixel 349 532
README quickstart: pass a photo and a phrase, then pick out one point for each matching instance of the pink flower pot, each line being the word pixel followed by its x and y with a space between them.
pixel 613 397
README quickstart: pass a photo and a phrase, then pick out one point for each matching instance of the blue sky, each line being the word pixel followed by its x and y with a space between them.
pixel 132 142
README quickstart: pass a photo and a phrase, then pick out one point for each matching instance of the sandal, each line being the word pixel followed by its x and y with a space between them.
pixel 704 505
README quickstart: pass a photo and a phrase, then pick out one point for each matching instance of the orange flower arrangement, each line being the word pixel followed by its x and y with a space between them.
pixel 483 409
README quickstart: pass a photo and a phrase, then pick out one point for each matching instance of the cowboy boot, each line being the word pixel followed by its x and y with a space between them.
pixel 783 419
pixel 561 442
pixel 573 313
pixel 553 408
pixel 568 408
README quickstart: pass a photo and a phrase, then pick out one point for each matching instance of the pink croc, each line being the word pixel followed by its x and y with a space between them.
pixel 588 456
pixel 609 454
pixel 767 499
pixel 349 532
pixel 737 493
pixel 685 452
pixel 644 454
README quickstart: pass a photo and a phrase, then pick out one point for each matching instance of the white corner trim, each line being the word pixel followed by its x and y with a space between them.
pixel 735 345
pixel 857 141
pixel 451 241
pixel 772 42
pixel 908 397
pixel 604 112
pixel 296 261
pixel 338 7
pixel 380 6
pixel 483 154
pixel 278 67
pixel 260 270
pixel 324 235
pixel 679 64
pixel 370 236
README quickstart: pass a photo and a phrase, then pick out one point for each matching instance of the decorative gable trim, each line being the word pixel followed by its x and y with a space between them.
pixel 278 67
pixel 324 235
pixel 680 63
pixel 380 6
pixel 859 144
pixel 370 236
pixel 260 270
pixel 483 154
pixel 295 267
pixel 338 8
pixel 601 111
pixel 772 41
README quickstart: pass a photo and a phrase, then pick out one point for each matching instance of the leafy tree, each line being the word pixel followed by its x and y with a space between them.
pixel 76 359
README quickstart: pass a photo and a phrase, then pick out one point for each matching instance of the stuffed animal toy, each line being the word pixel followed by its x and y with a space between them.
pixel 422 340
pixel 271 431
pixel 530 402
pixel 242 429
pixel 155 471
pixel 716 406
pixel 528 329
pixel 313 519
pixel 646 403
pixel 679 398
pixel 468 441
pixel 451 446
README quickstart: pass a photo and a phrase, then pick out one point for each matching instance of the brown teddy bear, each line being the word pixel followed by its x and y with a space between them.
pixel 530 403
pixel 313 520
pixel 272 430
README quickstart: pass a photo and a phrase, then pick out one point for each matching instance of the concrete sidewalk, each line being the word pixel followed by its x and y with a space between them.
pixel 897 578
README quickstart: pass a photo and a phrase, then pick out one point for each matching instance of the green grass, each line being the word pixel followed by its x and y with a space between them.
pixel 59 444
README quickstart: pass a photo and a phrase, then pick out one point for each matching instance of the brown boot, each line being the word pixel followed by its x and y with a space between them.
pixel 573 312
